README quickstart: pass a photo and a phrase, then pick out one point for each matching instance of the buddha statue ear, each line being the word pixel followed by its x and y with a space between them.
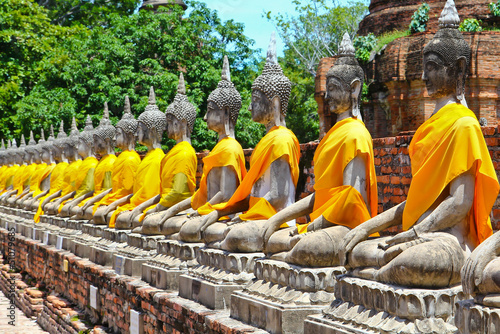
pixel 355 91
pixel 461 76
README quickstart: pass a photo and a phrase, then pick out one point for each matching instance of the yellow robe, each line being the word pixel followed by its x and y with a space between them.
pixel 445 146
pixel 123 176
pixel 30 169
pixel 277 143
pixel 146 184
pixel 84 181
pixel 102 176
pixel 339 204
pixel 70 174
pixel 36 178
pixel 227 152
pixel 3 169
pixel 9 177
pixel 19 178
pixel 43 175
pixel 56 184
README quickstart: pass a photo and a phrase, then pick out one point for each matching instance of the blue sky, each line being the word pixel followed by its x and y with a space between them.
pixel 250 13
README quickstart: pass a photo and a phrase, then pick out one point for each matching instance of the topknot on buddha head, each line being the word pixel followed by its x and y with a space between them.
pixel 152 117
pixel 128 123
pixel 105 131
pixel 38 147
pixel 87 135
pixel 61 137
pixel 49 144
pixel 181 108
pixel 31 147
pixel 226 95
pixel 272 82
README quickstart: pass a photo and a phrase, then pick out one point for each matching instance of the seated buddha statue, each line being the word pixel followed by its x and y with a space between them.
pixel 453 187
pixel 178 167
pixel 68 188
pixel 104 145
pixel 120 213
pixel 123 169
pixel 12 160
pixel 223 167
pixel 269 185
pixel 24 157
pixel 345 183
pixel 84 181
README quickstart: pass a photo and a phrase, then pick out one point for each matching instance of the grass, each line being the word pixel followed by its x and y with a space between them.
pixel 388 37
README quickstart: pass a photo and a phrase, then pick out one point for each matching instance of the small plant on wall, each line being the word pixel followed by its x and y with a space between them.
pixel 419 19
pixel 495 8
pixel 470 25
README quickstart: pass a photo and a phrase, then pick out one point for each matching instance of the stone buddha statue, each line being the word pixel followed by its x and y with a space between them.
pixel 11 160
pixel 269 185
pixel 84 180
pixel 454 185
pixel 68 187
pixel 24 158
pixel 345 187
pixel 124 168
pixel 104 145
pixel 223 168
pixel 178 167
pixel 481 273
pixel 151 124
pixel 57 177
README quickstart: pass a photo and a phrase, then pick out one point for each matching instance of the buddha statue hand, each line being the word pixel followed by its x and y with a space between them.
pixel 208 220
pixel 400 238
pixel 351 239
pixel 271 226
pixel 473 269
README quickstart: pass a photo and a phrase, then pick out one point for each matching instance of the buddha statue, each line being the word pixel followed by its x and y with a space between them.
pixel 68 187
pixel 12 163
pixel 269 185
pixel 57 177
pixel 345 182
pixel 454 185
pixel 104 145
pixel 121 213
pixel 178 167
pixel 24 159
pixel 124 168
pixel 83 186
pixel 223 167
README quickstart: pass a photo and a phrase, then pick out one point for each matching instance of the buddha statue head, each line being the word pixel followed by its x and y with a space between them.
pixel 446 58
pixel 59 143
pixel 26 152
pixel 180 114
pixel 71 142
pixel 104 134
pixel 47 147
pixel 126 128
pixel 16 153
pixel 270 91
pixel 38 148
pixel 86 139
pixel 151 124
pixel 223 104
pixel 344 81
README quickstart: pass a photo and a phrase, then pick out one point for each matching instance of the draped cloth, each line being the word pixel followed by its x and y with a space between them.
pixel 21 176
pixel 180 159
pixel 146 183
pixel 445 146
pixel 84 180
pixel 123 176
pixel 41 177
pixel 102 176
pixel 227 153
pixel 36 178
pixel 278 143
pixel 9 178
pixel 56 184
pixel 338 203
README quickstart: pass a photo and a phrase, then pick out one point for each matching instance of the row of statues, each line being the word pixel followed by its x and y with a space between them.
pixel 444 219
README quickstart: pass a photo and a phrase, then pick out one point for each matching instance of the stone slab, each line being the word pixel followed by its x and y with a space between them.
pixel 161 278
pixel 128 260
pixel 212 295
pixel 472 318
pixel 94 230
pixel 116 235
pixel 145 242
pixel 102 251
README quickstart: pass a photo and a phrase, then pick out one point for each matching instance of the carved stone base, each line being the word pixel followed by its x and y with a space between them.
pixel 218 274
pixel 102 251
pixel 116 235
pixel 364 306
pixel 128 260
pixel 94 230
pixel 283 295
pixel 81 244
pixel 471 318
pixel 146 242
pixel 174 258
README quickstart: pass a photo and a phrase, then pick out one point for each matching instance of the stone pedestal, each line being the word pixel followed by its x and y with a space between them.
pixel 128 260
pixel 475 318
pixel 283 295
pixel 146 242
pixel 81 244
pixel 173 259
pixel 94 230
pixel 116 235
pixel 364 306
pixel 102 251
pixel 218 274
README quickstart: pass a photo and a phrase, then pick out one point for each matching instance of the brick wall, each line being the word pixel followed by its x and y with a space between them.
pixel 389 15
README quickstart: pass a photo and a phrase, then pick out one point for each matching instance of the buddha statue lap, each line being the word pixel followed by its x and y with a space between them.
pixel 120 213
pixel 223 168
pixel 104 145
pixel 454 185
pixel 269 185
pixel 123 170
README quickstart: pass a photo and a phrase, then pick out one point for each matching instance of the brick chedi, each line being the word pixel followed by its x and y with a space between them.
pixel 398 100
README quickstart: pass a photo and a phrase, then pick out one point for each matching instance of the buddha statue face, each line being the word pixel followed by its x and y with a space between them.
pixel 175 127
pixel 216 117
pixel 46 155
pixel 26 156
pixel 100 146
pixel 338 95
pixel 83 148
pixel 37 157
pixel 143 134
pixel 121 139
pixel 261 107
pixel 440 79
